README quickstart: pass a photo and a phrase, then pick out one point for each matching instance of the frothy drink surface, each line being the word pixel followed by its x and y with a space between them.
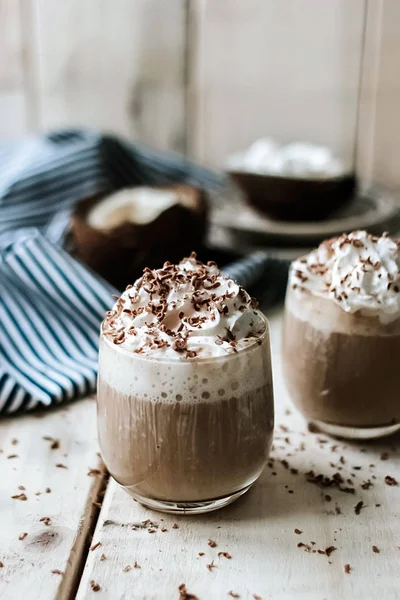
pixel 341 337
pixel 185 401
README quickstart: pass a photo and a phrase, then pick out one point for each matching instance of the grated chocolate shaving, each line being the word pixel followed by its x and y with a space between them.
pixel 390 480
pixel 225 554
pixel 97 545
pixel 184 594
pixel 358 507
pixel 93 472
pixel 95 586
pixel 200 285
pixel 23 497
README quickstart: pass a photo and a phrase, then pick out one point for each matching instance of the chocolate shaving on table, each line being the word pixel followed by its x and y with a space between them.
pixel 184 594
pixel 22 497
pixel 95 586
pixel 366 485
pixel 324 481
pixel 93 472
pixel 358 507
pixel 390 480
pixel 95 546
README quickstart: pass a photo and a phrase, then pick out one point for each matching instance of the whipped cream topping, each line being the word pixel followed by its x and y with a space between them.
pixel 358 271
pixel 297 160
pixel 184 311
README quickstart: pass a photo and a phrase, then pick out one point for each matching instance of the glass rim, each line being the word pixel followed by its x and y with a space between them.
pixel 187 361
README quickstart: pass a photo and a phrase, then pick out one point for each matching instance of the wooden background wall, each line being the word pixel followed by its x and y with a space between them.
pixel 207 77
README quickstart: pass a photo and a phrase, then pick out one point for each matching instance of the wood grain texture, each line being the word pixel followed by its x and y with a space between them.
pixel 12 94
pixel 48 530
pixel 379 130
pixel 365 139
pixel 113 64
pixel 258 531
pixel 284 69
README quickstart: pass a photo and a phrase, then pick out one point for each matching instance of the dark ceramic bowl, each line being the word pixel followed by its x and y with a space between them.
pixel 295 199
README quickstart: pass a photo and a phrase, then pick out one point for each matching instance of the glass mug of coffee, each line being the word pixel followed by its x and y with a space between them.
pixel 185 400
pixel 341 336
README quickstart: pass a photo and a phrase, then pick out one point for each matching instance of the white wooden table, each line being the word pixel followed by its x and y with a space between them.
pixel 66 531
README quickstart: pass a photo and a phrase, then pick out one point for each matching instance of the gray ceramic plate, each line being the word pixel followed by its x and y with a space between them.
pixel 377 210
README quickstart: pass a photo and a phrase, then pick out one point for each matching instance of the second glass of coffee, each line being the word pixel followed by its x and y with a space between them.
pixel 341 336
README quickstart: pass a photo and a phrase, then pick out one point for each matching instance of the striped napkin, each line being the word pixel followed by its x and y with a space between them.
pixel 51 306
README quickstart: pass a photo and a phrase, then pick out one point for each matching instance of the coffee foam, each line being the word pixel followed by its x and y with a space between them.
pixel 190 382
pixel 327 317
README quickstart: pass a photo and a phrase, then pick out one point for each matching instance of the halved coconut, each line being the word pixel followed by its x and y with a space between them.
pixel 121 233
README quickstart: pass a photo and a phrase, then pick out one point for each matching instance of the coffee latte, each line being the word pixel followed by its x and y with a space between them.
pixel 341 338
pixel 185 401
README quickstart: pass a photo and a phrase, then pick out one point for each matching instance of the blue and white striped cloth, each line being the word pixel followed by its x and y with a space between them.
pixel 51 305
pixel 51 309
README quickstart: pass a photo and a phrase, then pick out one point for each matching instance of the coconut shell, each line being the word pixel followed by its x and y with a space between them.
pixel 120 254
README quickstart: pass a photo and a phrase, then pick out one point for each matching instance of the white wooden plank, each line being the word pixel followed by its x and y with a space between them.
pixel 379 128
pixel 11 69
pixel 258 530
pixel 113 64
pixel 12 96
pixel 368 93
pixel 29 467
pixel 12 114
pixel 284 69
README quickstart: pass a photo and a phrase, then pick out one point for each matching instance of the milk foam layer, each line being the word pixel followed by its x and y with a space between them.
pixel 187 381
pixel 358 272
pixel 184 312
